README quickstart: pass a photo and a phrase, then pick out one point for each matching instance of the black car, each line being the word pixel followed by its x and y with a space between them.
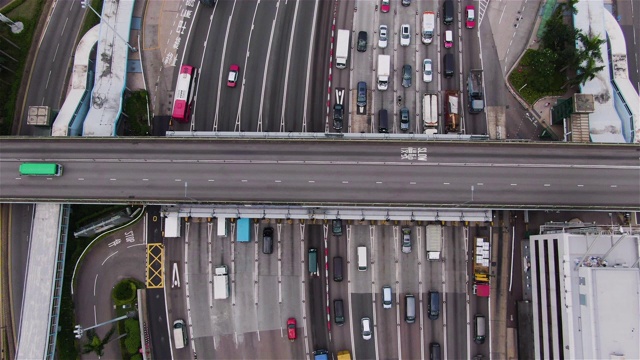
pixel 406 2
pixel 267 240
pixel 336 226
pixel 404 119
pixel 406 76
pixel 338 111
pixel 362 41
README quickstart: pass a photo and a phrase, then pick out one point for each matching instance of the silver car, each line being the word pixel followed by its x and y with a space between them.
pixel 427 70
pixel 405 35
pixel 366 328
pixel 406 240
pixel 382 41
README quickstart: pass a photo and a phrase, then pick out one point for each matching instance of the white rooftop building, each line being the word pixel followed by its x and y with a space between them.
pixel 616 117
pixel 586 293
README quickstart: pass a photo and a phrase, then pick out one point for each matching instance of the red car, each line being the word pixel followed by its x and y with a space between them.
pixel 385 6
pixel 291 329
pixel 470 15
pixel 234 71
pixel 448 39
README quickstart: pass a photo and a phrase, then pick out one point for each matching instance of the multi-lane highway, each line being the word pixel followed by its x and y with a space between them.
pixel 267 289
pixel 283 52
pixel 276 46
pixel 326 172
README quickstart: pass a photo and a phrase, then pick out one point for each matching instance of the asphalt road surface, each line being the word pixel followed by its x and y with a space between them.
pixel 326 172
pixel 275 44
pixel 117 256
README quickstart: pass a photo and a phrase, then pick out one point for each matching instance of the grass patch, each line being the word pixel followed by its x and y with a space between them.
pixel 130 344
pixel 135 107
pixel 92 19
pixel 522 75
pixel 16 48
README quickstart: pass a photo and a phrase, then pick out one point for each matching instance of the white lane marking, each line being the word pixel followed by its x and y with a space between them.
pixel 95 281
pixel 108 257
pixel 342 163
pixel 175 276
pixel 514 184
pixel 547 184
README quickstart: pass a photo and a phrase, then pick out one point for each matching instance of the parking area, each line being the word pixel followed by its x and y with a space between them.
pixel 328 283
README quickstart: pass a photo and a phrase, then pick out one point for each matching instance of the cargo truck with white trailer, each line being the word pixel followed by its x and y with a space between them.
pixel 342 48
pixel 172 225
pixel 221 282
pixel 434 242
pixel 428 26
pixel 452 111
pixel 384 70
pixel 430 113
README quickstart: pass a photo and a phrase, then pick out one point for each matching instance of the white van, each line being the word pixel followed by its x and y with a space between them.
pixel 179 334
pixel 362 258
pixel 222 226
pixel 387 299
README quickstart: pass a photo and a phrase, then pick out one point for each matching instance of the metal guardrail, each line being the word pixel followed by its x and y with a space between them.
pixel 320 136
pixel 57 283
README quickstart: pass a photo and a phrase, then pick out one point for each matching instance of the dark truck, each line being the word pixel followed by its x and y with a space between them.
pixel 474 89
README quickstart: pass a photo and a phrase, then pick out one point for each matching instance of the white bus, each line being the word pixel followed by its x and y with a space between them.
pixel 185 89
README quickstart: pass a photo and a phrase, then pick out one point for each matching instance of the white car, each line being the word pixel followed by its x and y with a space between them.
pixel 382 41
pixel 405 35
pixel 366 328
pixel 427 70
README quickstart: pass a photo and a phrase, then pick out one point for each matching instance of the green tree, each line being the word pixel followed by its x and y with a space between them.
pixel 559 38
pixel 586 71
pixel 590 46
pixel 95 344
pixel 569 5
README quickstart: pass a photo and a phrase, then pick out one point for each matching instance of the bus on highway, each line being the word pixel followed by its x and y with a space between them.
pixel 40 169
pixel 185 88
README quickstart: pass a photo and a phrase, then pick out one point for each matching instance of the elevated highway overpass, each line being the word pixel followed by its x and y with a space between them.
pixel 322 173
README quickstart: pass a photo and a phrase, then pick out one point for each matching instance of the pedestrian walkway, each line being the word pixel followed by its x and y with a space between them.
pixel 164 26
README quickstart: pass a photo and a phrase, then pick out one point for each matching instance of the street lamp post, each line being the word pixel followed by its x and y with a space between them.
pixel 85 4
pixel 79 330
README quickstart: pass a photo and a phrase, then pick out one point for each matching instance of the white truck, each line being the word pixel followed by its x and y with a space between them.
pixel 384 70
pixel 342 48
pixel 221 282
pixel 172 226
pixel 428 26
pixel 434 242
pixel 430 113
